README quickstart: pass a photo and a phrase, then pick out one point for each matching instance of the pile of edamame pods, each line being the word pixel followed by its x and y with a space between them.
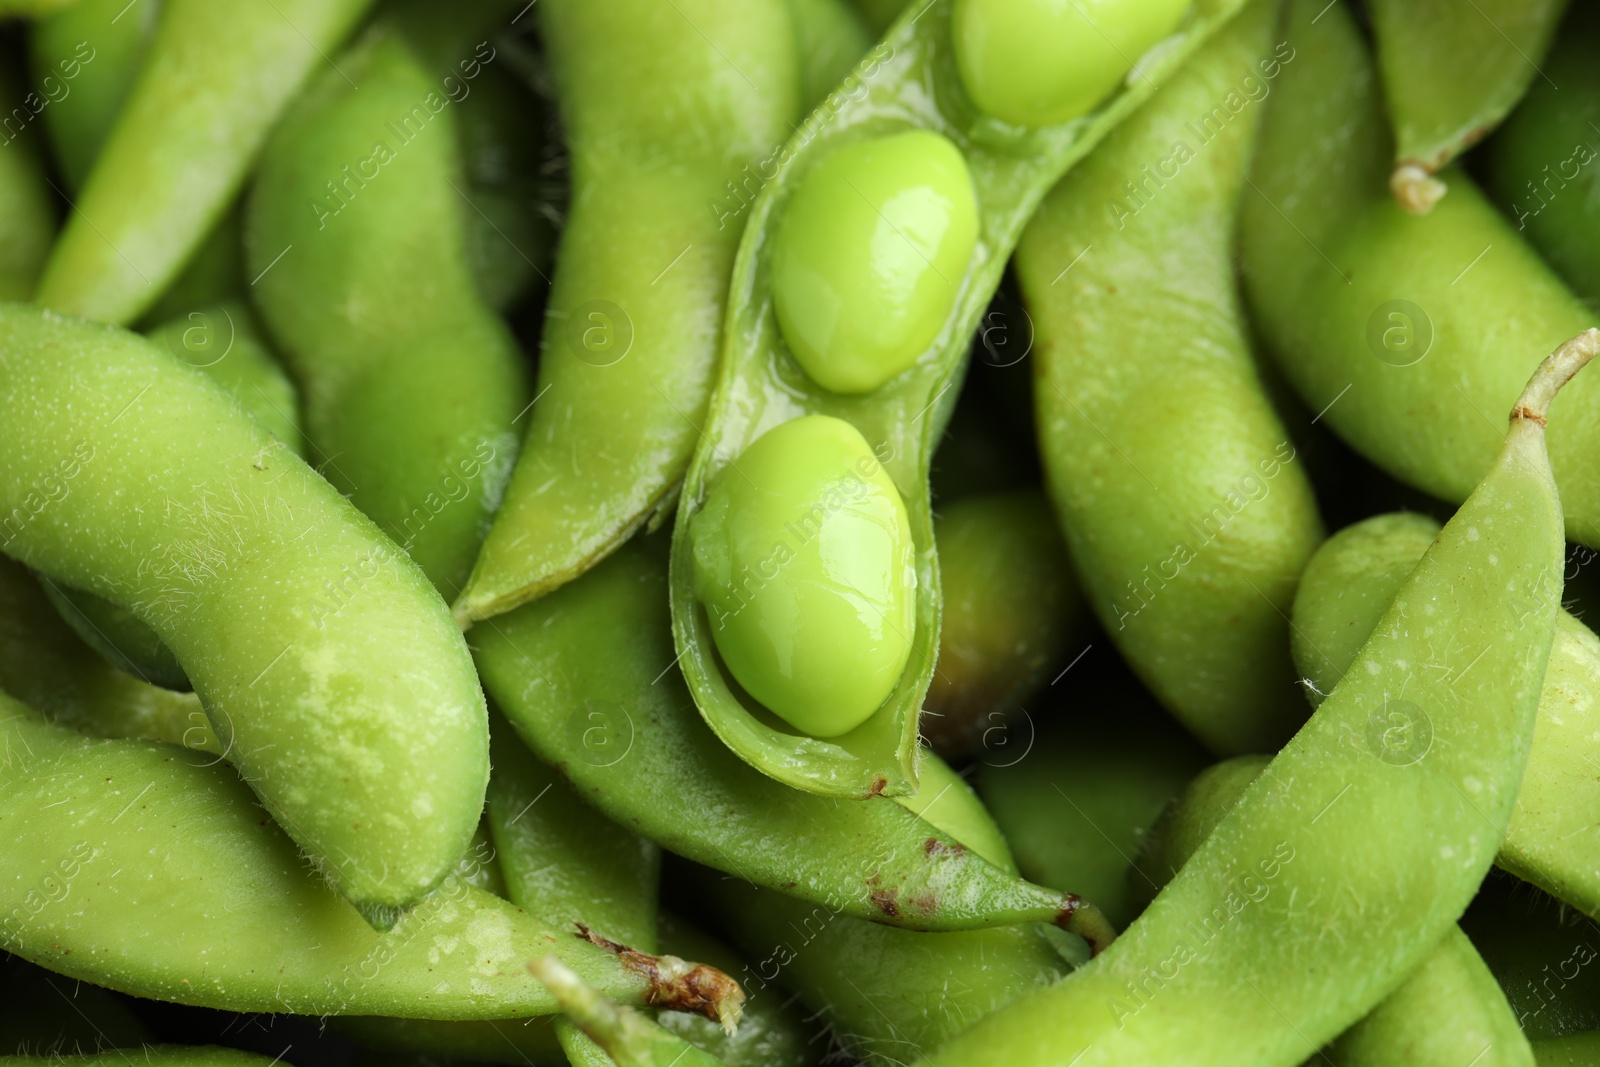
pixel 793 532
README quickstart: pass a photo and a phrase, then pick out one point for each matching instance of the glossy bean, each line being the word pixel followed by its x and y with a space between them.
pixel 1186 513
pixel 1011 612
pixel 1347 587
pixel 585 675
pixel 180 147
pixel 1215 970
pixel 1450 74
pixel 1409 334
pixel 631 330
pixel 334 675
pixel 762 383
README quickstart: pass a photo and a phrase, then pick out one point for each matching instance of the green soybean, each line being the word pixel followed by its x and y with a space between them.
pixel 127 865
pixel 181 145
pixel 820 661
pixel 1011 610
pixel 585 676
pixel 1404 1029
pixel 333 674
pixel 631 331
pixel 1185 512
pixel 1345 590
pixel 1035 63
pixel 1215 970
pixel 1450 74
pixel 761 384
pixel 1539 166
pixel 1408 334
pixel 864 254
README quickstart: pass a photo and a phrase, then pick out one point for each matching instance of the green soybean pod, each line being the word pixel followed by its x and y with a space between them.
pixel 126 864
pixel 1541 952
pixel 212 84
pixel 411 381
pixel 1010 610
pixel 1450 74
pixel 1574 1050
pixel 628 1038
pixel 95 49
pixel 335 677
pixel 631 331
pixel 1404 1030
pixel 1346 588
pixel 115 632
pixel 585 676
pixel 27 214
pixel 1218 970
pixel 154 1055
pixel 47 666
pixel 1185 513
pixel 1539 166
pixel 1407 333
pixel 821 322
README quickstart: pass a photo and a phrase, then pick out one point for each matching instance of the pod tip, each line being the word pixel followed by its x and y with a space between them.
pixel 1415 188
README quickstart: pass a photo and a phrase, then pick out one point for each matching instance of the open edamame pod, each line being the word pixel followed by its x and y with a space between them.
pixel 411 381
pixel 336 679
pixel 586 677
pixel 631 331
pixel 212 84
pixel 1218 970
pixel 1406 333
pixel 1404 1030
pixel 128 865
pixel 1451 72
pixel 867 261
pixel 1344 592
pixel 1176 485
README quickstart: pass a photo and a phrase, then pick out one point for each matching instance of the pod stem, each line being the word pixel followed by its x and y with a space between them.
pixel 612 1026
pixel 1556 370
pixel 1415 188
pixel 1080 917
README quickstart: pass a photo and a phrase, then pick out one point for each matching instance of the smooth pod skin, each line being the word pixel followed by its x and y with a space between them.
pixel 214 81
pixel 1036 62
pixel 411 382
pixel 1540 168
pixel 27 213
pixel 631 330
pixel 1216 969
pixel 1186 513
pixel 96 47
pixel 1450 73
pixel 153 1055
pixel 905 83
pixel 831 37
pixel 334 675
pixel 867 256
pixel 584 676
pixel 1011 608
pixel 944 799
pixel 803 560
pixel 1404 1030
pixel 1374 315
pixel 127 865
pixel 1550 841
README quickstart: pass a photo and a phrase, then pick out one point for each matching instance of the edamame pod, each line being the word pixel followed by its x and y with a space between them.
pixel 47 666
pixel 1539 167
pixel 154 1055
pixel 631 331
pixel 115 632
pixel 1540 951
pixel 212 84
pixel 1549 842
pixel 1575 1050
pixel 128 866
pixel 93 50
pixel 831 37
pixel 1408 334
pixel 585 676
pixel 1185 512
pixel 337 680
pixel 899 128
pixel 411 382
pixel 1010 609
pixel 27 214
pixel 1450 74
pixel 1216 970
pixel 1404 1030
